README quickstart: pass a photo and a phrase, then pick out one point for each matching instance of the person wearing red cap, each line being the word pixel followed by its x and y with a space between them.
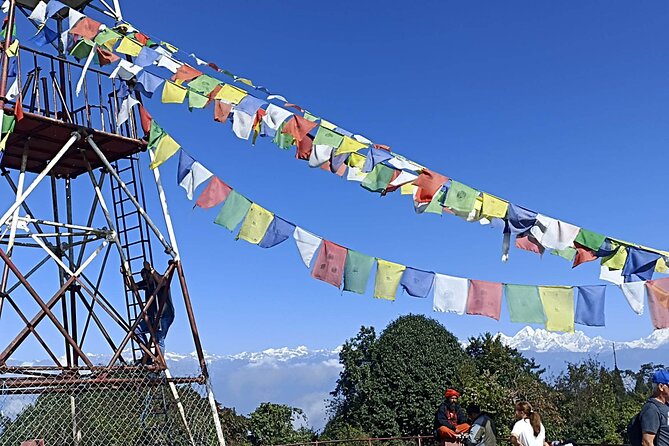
pixel 450 420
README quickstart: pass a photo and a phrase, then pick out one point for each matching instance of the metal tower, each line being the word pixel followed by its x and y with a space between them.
pixel 74 238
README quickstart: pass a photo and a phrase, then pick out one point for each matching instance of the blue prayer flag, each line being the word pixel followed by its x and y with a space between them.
pixel 279 230
pixel 519 219
pixel 53 7
pixel 44 37
pixel 250 105
pixel 607 249
pixel 639 265
pixel 590 305
pixel 147 56
pixel 417 283
pixel 148 83
pixel 374 157
pixel 337 161
pixel 185 165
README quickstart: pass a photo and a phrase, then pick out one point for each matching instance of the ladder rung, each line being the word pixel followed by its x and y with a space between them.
pixel 132 244
pixel 135 258
pixel 124 215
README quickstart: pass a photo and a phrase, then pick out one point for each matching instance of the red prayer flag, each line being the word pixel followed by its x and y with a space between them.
pixel 658 302
pixel 145 118
pixel 221 111
pixel 186 73
pixel 213 66
pixel 105 57
pixel 342 170
pixel 484 298
pixel 529 244
pixel 141 38
pixel 295 106
pixel 382 147
pixel 86 28
pixel 329 264
pixel 304 148
pixel 214 92
pixel 215 193
pixel 583 255
pixel 298 127
pixel 18 108
pixel 428 183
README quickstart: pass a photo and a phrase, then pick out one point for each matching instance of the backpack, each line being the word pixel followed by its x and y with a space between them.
pixel 634 431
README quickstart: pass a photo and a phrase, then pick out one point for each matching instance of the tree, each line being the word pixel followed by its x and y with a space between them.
pixel 393 384
pixel 275 424
pixel 235 427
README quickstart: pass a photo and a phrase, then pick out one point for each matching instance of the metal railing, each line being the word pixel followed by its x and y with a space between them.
pixel 419 440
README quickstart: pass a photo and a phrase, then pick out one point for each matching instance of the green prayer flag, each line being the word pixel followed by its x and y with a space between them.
pixel 558 303
pixel 524 304
pixel 283 140
pixel 196 100
pixel 155 133
pixel 435 206
pixel 357 269
pixel 8 123
pixel 461 198
pixel 377 180
pixel 82 49
pixel 326 137
pixel 590 239
pixel 568 253
pixel 105 36
pixel 204 84
pixel 309 117
pixel 233 211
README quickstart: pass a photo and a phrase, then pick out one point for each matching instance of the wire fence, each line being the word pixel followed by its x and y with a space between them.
pixel 420 440
pixel 124 407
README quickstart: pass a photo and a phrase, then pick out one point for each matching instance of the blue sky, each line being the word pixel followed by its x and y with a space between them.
pixel 559 107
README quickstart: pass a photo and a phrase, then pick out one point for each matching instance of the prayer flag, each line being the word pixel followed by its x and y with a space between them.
pixel 53 7
pixel 590 305
pixel 450 294
pixel 524 304
pixel 320 155
pixel 204 84
pixel 129 47
pixel 355 174
pixel 233 211
pixel 191 174
pixel 377 180
pixel 357 269
pixel 554 234
pixel 165 149
pixel 255 224
pixel 494 207
pixel 568 253
pixel 147 56
pixel 186 73
pixel 640 264
pixel 330 261
pixel 39 13
pixel 349 145
pixel 107 38
pixel 106 57
pixel 356 160
pixel 148 83
pixel 558 303
pixel 417 283
pixel 230 93
pixel 221 110
pixel 435 206
pixel 283 140
pixel 589 239
pixel 428 183
pixel 616 260
pixel 635 293
pixel 155 133
pixel 250 104
pixel 307 244
pixel 661 265
pixel 374 157
pixel 325 136
pixel 44 37
pixel 583 255
pixel 658 302
pixel 408 189
pixel 196 100
pixel 403 178
pixel 242 124
pixel 125 70
pixel 484 298
pixel 167 62
pixel 173 93
pixel 215 193
pixel 388 276
pixel 275 116
pixel 278 232
pixel 86 28
pixel 460 197
pixel 528 243
pixel 124 110
pixel 519 219
pixel 305 149
pixel 611 275
pixel 80 51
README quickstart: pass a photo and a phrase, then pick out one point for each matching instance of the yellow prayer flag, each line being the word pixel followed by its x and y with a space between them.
pixel 661 265
pixel 388 276
pixel 3 143
pixel 129 47
pixel 494 207
pixel 171 48
pixel 165 149
pixel 558 303
pixel 243 80
pixel 617 260
pixel 230 93
pixel 356 160
pixel 407 189
pixel 255 224
pixel 349 145
pixel 173 93
pixel 327 124
pixel 13 49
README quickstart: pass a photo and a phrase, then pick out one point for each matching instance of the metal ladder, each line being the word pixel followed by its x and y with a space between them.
pixel 133 232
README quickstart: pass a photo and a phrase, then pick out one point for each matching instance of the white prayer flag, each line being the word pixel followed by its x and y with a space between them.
pixel 635 293
pixel 554 234
pixel 124 110
pixel 275 116
pixel 611 275
pixel 242 124
pixel 197 175
pixel 320 154
pixel 125 70
pixel 307 244
pixel 450 294
pixel 39 13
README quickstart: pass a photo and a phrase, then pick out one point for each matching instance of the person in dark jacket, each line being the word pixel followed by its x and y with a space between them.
pixel 450 420
pixel 161 320
pixel 482 432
